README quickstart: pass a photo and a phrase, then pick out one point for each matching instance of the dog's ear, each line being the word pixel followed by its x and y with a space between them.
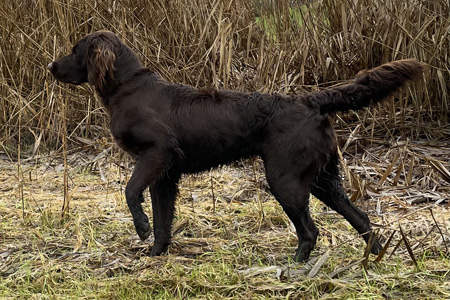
pixel 100 60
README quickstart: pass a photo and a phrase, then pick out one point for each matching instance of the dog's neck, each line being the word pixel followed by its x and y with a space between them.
pixel 126 65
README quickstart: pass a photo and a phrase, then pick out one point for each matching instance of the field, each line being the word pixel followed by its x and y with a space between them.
pixel 65 229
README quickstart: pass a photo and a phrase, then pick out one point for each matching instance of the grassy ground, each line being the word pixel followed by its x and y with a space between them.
pixel 237 248
pixel 267 46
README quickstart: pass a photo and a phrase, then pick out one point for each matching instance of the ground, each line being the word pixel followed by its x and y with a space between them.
pixel 231 238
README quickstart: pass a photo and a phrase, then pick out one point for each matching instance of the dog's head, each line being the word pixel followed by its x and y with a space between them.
pixel 92 60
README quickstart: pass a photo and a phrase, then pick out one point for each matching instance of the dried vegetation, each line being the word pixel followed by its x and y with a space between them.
pixel 231 239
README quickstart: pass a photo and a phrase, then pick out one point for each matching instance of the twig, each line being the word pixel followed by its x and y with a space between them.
pixel 19 168
pixel 66 202
pixel 383 251
pixel 439 228
pixel 212 192
pixel 408 247
pixel 318 264
pixel 340 270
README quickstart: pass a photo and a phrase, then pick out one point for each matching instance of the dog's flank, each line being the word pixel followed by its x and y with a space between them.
pixel 173 129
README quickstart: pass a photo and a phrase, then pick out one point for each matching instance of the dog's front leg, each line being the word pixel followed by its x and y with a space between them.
pixel 150 165
pixel 163 194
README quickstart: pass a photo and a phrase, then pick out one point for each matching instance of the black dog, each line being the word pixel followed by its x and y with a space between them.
pixel 173 129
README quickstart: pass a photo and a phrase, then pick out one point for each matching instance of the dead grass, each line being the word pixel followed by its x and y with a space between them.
pixel 239 249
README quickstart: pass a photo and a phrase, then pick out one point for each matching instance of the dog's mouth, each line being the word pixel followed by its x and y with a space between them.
pixel 71 82
pixel 61 76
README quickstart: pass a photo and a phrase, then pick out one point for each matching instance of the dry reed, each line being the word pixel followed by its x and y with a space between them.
pixel 272 46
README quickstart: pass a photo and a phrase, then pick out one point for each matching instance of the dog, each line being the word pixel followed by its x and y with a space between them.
pixel 174 129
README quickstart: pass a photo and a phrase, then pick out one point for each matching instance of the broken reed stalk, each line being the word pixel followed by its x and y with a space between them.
pixel 212 192
pixel 408 246
pixel 440 231
pixel 385 247
pixel 19 171
pixel 66 203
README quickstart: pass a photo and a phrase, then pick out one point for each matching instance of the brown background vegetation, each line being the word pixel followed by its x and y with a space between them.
pixel 281 46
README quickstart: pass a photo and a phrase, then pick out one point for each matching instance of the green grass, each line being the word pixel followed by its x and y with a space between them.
pixel 233 253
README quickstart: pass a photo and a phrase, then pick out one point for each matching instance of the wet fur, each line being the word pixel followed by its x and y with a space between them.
pixel 174 129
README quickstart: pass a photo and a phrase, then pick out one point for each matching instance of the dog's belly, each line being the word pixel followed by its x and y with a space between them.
pixel 199 157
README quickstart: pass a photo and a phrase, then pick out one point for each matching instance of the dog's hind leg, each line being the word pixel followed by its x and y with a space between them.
pixel 163 194
pixel 292 192
pixel 328 188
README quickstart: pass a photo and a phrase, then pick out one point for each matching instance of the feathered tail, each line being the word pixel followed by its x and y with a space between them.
pixel 369 87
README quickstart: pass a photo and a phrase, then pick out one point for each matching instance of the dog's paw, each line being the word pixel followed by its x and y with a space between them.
pixel 143 227
pixel 158 248
pixel 376 248
pixel 301 256
pixel 373 242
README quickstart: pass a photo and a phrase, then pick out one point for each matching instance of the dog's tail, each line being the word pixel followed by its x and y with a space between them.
pixel 369 87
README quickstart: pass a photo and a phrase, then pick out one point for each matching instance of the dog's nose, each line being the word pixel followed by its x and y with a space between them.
pixel 50 66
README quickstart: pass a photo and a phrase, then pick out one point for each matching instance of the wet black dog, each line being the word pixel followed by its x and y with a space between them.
pixel 173 129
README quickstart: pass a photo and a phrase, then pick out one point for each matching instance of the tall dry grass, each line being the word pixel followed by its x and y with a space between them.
pixel 273 46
